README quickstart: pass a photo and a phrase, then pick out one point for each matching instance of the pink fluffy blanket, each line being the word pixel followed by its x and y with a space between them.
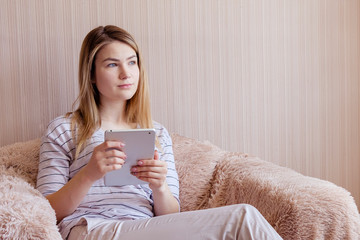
pixel 298 207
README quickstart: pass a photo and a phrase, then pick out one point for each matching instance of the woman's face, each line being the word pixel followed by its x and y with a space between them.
pixel 116 72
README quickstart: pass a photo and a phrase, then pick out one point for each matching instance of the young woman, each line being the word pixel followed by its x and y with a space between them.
pixel 74 159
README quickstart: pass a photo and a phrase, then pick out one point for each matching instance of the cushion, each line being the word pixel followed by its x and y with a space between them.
pixel 24 212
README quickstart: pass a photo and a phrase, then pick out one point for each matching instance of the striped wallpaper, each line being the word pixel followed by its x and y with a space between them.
pixel 274 78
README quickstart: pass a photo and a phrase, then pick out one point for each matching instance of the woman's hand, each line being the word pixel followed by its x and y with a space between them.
pixel 106 157
pixel 152 171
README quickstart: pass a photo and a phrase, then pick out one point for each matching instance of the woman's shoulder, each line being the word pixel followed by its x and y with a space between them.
pixel 60 124
pixel 159 127
pixel 161 132
pixel 59 121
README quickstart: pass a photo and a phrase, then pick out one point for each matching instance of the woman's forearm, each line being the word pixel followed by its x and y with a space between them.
pixel 68 198
pixel 165 202
pixel 103 160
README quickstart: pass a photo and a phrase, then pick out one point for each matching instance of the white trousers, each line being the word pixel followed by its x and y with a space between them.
pixel 239 221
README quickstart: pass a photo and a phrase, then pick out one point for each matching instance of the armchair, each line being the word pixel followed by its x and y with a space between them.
pixel 298 207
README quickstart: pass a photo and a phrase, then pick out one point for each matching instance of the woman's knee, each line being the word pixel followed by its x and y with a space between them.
pixel 245 212
pixel 249 208
pixel 243 207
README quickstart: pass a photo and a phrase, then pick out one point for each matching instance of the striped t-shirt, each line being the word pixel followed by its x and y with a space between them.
pixel 57 167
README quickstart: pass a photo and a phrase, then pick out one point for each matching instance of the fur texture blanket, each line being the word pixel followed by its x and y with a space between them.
pixel 298 207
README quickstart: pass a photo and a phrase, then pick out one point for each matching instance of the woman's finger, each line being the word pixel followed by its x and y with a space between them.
pixel 160 170
pixel 156 155
pixel 114 160
pixel 152 178
pixel 151 162
pixel 115 153
pixel 110 145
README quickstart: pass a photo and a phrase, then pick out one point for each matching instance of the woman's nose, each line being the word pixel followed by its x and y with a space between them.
pixel 124 73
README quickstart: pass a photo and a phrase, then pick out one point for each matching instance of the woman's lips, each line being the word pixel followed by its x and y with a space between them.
pixel 125 86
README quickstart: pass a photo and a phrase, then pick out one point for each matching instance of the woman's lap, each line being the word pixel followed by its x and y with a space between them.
pixel 239 221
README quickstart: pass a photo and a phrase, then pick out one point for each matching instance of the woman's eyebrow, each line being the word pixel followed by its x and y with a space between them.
pixel 118 60
pixel 111 59
pixel 133 56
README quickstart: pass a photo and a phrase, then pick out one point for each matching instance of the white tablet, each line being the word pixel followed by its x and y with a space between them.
pixel 139 144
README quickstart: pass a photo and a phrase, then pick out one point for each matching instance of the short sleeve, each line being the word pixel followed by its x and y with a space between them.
pixel 55 157
pixel 167 155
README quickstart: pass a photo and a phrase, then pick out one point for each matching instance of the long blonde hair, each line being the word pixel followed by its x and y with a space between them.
pixel 86 118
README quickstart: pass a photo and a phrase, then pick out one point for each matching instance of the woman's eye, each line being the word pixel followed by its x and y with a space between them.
pixel 112 65
pixel 132 62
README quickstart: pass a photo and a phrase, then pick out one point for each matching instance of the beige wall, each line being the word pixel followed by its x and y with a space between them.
pixel 277 79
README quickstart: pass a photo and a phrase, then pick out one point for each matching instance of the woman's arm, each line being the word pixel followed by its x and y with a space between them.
pixel 164 201
pixel 106 157
pixel 154 172
pixel 68 198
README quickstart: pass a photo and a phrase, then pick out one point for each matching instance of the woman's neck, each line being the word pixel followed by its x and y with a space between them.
pixel 113 117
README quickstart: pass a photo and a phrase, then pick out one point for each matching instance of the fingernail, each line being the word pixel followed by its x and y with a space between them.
pixel 140 162
pixel 134 169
